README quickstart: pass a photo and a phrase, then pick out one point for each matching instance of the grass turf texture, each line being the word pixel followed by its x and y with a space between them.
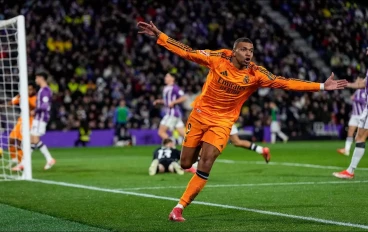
pixel 289 190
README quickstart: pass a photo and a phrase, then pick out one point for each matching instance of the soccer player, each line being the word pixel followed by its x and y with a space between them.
pixel 42 116
pixel 230 81
pixel 172 97
pixel 165 159
pixel 15 136
pixel 361 135
pixel 275 125
pixel 237 142
pixel 359 99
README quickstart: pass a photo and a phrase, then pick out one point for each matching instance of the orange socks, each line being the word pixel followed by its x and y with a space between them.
pixel 20 155
pixel 13 152
pixel 195 185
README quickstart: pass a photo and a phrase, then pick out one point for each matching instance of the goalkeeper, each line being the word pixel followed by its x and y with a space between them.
pixel 165 159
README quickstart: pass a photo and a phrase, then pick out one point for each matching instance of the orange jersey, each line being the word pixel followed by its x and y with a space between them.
pixel 227 88
pixel 32 101
pixel 32 104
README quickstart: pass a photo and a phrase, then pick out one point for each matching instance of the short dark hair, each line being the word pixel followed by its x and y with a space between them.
pixel 242 39
pixel 166 141
pixel 42 74
pixel 32 83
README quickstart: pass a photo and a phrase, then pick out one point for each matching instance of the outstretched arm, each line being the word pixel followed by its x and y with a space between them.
pixel 158 102
pixel 201 57
pixel 357 84
pixel 267 79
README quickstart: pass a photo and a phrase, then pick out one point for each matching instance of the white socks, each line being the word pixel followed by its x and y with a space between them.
pixel 348 142
pixel 357 156
pixel 259 149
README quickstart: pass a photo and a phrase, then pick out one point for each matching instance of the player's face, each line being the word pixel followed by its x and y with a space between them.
pixel 171 144
pixel 37 80
pixel 244 53
pixel 31 90
pixel 169 80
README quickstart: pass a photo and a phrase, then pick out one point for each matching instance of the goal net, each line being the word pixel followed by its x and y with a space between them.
pixel 14 110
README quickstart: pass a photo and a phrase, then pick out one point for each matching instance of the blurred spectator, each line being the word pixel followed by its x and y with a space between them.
pixel 84 134
pixel 120 118
pixel 92 51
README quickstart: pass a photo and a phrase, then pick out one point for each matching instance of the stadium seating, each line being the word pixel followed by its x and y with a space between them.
pixel 95 57
pixel 336 29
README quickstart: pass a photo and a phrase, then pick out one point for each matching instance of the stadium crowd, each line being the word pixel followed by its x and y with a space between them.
pixel 336 29
pixel 95 57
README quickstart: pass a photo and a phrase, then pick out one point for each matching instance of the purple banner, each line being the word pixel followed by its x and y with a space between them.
pixel 104 138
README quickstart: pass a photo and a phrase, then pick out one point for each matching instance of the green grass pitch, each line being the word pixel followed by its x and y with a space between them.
pixel 108 189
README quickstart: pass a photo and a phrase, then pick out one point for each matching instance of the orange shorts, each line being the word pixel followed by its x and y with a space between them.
pixel 198 132
pixel 16 133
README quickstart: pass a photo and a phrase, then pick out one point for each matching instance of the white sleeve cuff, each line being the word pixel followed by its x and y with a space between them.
pixel 322 86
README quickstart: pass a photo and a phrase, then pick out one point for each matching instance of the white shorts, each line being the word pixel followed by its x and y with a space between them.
pixel 354 120
pixel 363 119
pixel 172 122
pixel 275 127
pixel 234 130
pixel 38 128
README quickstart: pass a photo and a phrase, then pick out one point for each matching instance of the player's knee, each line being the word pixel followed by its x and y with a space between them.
pixel 185 163
pixel 161 168
pixel 162 134
pixel 171 167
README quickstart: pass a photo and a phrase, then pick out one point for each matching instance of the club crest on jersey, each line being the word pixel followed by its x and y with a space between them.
pixel 246 79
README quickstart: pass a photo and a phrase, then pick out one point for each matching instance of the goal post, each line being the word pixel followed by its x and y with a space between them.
pixel 14 81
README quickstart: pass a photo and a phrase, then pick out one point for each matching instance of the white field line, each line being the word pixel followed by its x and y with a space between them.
pixel 252 185
pixel 284 164
pixel 318 220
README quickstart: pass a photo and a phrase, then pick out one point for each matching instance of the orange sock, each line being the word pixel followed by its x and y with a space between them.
pixel 20 155
pixel 13 152
pixel 195 185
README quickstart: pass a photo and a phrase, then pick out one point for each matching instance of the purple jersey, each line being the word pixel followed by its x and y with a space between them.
pixel 172 93
pixel 359 101
pixel 43 105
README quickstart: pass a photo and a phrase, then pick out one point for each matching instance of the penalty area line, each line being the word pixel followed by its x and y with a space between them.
pixel 319 220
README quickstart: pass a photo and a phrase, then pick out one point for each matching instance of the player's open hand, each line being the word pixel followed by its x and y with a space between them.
pixel 148 29
pixel 331 84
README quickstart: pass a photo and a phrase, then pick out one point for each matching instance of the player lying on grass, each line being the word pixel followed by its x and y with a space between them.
pixel 229 83
pixel 165 159
pixel 361 135
pixel 359 99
